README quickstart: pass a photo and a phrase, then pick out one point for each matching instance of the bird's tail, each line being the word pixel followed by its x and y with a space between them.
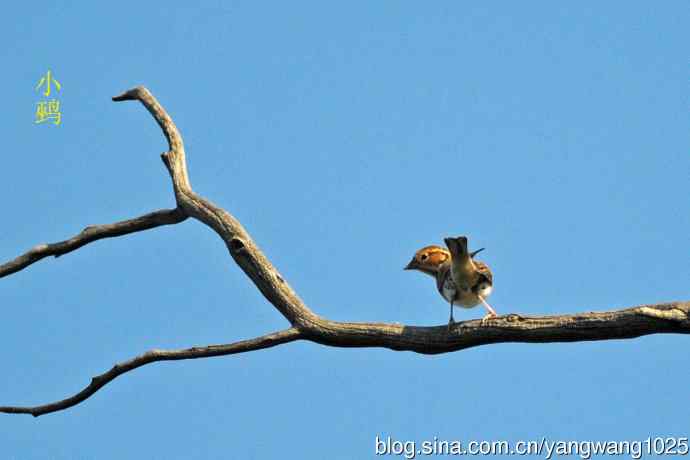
pixel 458 247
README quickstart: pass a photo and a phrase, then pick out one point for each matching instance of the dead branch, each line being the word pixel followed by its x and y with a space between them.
pixel 152 356
pixel 673 317
pixel 91 234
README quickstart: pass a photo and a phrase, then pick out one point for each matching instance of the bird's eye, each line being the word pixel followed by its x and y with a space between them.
pixel 424 256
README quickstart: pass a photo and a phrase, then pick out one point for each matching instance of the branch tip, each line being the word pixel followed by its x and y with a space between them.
pixel 130 94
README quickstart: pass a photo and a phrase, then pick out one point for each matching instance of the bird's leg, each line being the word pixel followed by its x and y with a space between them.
pixel 451 320
pixel 492 313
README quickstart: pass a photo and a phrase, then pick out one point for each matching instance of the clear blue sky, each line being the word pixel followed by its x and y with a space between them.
pixel 343 137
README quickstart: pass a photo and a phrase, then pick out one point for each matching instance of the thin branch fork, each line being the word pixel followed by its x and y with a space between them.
pixel 672 317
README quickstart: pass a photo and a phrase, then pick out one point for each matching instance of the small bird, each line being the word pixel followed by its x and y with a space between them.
pixel 454 268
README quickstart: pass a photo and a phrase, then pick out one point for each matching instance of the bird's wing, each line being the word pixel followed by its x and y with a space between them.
pixel 442 275
pixel 483 270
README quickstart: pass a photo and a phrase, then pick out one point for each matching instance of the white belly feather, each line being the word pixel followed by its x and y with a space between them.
pixel 467 299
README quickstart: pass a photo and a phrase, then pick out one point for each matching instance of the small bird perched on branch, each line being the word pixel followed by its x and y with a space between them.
pixel 460 279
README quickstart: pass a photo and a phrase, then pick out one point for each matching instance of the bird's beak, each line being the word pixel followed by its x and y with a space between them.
pixel 411 266
pixel 472 254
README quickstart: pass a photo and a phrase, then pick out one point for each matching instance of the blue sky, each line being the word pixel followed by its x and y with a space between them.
pixel 344 137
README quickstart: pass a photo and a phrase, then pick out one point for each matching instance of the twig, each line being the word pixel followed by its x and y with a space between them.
pixel 152 356
pixel 91 234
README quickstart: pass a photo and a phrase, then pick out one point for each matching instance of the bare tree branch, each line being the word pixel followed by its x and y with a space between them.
pixel 621 324
pixel 98 382
pixel 673 317
pixel 91 234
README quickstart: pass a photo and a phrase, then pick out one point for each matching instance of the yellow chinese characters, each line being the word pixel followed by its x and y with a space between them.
pixel 48 110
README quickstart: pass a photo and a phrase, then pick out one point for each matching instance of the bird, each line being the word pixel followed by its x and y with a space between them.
pixel 456 267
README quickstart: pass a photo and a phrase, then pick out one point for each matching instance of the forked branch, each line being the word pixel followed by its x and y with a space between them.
pixel 673 317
